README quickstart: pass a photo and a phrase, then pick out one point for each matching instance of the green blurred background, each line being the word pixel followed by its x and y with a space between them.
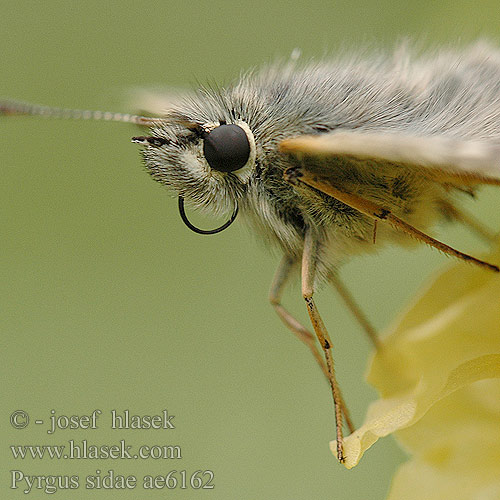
pixel 109 302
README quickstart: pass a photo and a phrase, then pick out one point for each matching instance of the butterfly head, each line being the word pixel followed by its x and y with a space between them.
pixel 209 163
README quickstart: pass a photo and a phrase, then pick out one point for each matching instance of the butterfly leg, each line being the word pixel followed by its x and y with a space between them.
pixel 300 331
pixel 460 215
pixel 353 306
pixel 377 212
pixel 308 275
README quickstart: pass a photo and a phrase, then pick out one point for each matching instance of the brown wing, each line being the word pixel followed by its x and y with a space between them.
pixel 444 159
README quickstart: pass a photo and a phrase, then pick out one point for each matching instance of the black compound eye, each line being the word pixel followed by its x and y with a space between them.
pixel 226 148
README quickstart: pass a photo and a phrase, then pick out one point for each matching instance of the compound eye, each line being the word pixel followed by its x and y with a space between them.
pixel 226 148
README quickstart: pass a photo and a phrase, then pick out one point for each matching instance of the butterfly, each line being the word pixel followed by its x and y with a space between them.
pixel 329 160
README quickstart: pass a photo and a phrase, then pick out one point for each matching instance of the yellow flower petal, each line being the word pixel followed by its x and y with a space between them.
pixel 449 339
pixel 416 480
pixel 456 448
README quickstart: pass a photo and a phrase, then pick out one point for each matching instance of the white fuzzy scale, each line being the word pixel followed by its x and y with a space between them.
pixel 447 101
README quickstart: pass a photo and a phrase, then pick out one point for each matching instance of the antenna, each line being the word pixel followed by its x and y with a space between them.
pixel 17 108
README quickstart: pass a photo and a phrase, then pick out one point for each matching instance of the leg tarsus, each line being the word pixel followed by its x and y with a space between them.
pixel 300 331
pixel 309 258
